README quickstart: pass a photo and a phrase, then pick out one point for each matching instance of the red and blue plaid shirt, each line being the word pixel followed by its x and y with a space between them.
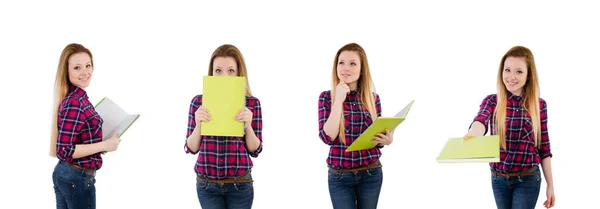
pixel 78 123
pixel 521 153
pixel 357 119
pixel 222 157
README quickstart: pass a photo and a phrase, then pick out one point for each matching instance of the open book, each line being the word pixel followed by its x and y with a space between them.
pixel 116 120
pixel 224 97
pixel 475 149
pixel 364 141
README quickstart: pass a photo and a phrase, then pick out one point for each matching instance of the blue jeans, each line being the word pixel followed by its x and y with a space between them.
pixel 74 189
pixel 517 192
pixel 213 195
pixel 360 190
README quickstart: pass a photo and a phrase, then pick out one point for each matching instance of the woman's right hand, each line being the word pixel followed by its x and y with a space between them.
pixel 341 91
pixel 477 129
pixel 201 114
pixel 112 143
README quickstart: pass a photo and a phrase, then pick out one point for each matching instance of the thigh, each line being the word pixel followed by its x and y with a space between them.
pixel 73 188
pixel 342 189
pixel 63 191
pixel 369 187
pixel 503 193
pixel 526 192
pixel 240 195
pixel 210 195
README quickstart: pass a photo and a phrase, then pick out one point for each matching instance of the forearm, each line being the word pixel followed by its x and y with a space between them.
pixel 332 125
pixel 82 150
pixel 193 141
pixel 477 129
pixel 252 141
pixel 547 168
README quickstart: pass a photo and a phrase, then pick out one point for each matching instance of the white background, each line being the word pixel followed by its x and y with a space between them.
pixel 150 58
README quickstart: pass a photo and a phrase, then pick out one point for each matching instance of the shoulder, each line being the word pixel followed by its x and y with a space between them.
pixel 73 101
pixel 491 98
pixel 252 101
pixel 197 100
pixel 542 103
pixel 325 95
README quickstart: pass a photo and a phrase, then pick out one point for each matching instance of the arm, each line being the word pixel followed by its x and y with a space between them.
pixel 480 123
pixel 193 137
pixel 329 119
pixel 254 131
pixel 71 120
pixel 544 152
pixel 378 108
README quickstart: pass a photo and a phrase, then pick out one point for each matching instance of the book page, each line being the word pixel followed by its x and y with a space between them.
pixel 111 114
pixel 404 112
pixel 124 125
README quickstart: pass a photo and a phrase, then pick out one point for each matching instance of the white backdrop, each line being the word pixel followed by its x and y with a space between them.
pixel 150 58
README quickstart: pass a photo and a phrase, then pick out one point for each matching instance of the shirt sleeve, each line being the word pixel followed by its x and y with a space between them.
pixel 194 105
pixel 257 126
pixel 70 122
pixel 378 108
pixel 324 111
pixel 544 150
pixel 486 109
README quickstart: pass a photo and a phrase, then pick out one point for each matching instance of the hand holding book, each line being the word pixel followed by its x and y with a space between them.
pixel 245 116
pixel 112 143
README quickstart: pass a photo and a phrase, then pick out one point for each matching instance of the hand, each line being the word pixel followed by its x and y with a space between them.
pixel 245 115
pixel 472 134
pixel 113 143
pixel 550 197
pixel 202 114
pixel 382 139
pixel 341 91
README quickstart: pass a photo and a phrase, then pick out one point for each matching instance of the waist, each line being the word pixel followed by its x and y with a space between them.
pixel 234 180
pixel 373 165
pixel 80 169
pixel 533 171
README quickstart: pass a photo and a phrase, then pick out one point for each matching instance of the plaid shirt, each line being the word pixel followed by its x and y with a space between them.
pixel 78 123
pixel 357 119
pixel 224 157
pixel 520 153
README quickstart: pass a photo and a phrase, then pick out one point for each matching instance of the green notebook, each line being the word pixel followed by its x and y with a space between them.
pixel 476 149
pixel 364 141
pixel 116 120
pixel 224 97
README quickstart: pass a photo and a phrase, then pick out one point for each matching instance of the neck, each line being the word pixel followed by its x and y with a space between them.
pixel 353 86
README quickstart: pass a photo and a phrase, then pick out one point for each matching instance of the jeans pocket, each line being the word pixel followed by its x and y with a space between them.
pixel 334 175
pixel 243 187
pixel 65 186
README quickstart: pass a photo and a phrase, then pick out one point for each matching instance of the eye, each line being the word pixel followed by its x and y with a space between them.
pixel 88 66
pixel 340 63
pixel 76 68
pixel 520 72
pixel 506 70
pixel 231 71
pixel 218 70
pixel 353 63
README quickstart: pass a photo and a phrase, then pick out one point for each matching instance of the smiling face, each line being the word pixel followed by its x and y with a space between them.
pixel 225 66
pixel 80 70
pixel 348 68
pixel 514 74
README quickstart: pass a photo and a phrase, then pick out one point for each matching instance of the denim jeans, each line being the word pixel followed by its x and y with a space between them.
pixel 226 196
pixel 349 190
pixel 74 189
pixel 517 192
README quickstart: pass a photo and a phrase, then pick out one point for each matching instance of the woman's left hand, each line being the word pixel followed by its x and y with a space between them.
pixel 384 139
pixel 245 115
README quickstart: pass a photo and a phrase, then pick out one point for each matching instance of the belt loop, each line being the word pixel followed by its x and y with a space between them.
pixel 341 171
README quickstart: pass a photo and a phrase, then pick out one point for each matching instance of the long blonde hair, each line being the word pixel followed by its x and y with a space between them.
pixel 365 85
pixel 530 91
pixel 61 87
pixel 228 50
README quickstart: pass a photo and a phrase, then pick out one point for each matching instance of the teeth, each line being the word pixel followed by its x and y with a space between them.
pixel 83 79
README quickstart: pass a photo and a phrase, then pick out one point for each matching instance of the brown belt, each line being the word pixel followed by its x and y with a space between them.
pixel 229 181
pixel 356 170
pixel 522 173
pixel 80 169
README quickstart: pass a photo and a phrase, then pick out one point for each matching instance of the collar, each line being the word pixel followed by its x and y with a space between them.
pixel 77 91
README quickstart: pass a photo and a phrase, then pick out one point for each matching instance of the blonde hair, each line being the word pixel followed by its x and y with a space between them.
pixel 530 91
pixel 228 50
pixel 61 87
pixel 365 85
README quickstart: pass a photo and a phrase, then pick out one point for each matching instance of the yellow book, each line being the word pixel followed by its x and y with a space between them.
pixel 224 97
pixel 364 141
pixel 476 149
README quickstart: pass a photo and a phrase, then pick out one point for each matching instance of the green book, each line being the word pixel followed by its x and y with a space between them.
pixel 475 149
pixel 116 120
pixel 364 141
pixel 224 97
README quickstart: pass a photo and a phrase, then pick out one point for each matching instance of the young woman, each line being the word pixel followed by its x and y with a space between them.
pixel 519 116
pixel 224 165
pixel 76 131
pixel 345 112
